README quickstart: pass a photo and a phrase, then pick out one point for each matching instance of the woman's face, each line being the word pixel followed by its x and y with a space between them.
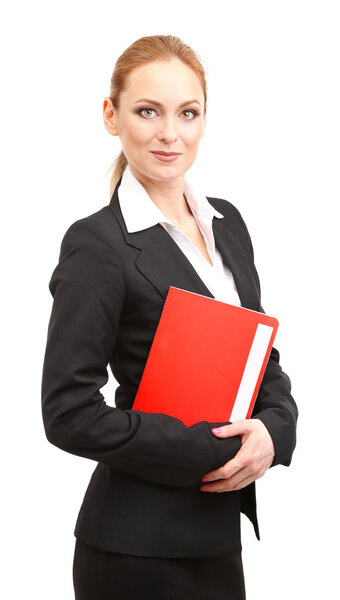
pixel 161 109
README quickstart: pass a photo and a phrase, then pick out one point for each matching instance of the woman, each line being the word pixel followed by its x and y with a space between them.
pixel 146 527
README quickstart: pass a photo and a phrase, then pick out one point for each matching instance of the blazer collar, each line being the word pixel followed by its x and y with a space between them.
pixel 163 263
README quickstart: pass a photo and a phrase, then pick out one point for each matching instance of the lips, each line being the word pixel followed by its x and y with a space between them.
pixel 165 153
pixel 166 157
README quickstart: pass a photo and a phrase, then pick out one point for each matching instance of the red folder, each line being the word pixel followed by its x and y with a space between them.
pixel 207 359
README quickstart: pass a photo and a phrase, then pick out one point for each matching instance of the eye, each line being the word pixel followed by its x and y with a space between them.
pixel 145 109
pixel 193 112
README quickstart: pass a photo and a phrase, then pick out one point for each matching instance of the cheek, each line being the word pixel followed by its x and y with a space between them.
pixel 139 133
pixel 191 136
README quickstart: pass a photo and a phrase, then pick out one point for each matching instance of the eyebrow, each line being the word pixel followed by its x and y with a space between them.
pixel 159 104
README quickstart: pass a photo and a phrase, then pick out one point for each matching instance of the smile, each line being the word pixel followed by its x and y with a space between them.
pixel 166 156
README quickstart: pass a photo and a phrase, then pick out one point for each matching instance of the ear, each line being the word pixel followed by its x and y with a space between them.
pixel 109 115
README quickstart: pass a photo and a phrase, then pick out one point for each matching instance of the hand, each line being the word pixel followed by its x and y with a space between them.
pixel 251 462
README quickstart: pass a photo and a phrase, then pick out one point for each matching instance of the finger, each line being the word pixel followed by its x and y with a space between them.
pixel 246 476
pixel 247 481
pixel 240 476
pixel 213 475
pixel 236 428
pixel 234 465
pixel 228 470
pixel 229 485
pixel 224 485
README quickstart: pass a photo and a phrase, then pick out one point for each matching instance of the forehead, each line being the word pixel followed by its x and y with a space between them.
pixel 165 81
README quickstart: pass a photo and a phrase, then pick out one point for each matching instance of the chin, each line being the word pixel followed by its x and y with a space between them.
pixel 162 171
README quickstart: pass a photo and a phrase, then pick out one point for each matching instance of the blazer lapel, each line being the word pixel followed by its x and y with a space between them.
pixel 163 263
pixel 235 258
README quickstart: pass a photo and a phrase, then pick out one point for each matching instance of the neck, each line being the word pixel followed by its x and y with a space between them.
pixel 168 196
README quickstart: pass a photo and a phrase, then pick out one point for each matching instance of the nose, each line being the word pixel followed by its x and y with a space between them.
pixel 167 131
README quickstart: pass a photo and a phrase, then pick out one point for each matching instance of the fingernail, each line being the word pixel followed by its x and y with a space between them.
pixel 217 430
pixel 204 489
pixel 205 479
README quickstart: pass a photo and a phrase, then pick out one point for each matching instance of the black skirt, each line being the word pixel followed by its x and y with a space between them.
pixel 102 575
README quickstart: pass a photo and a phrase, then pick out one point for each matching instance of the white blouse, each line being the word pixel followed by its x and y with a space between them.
pixel 140 212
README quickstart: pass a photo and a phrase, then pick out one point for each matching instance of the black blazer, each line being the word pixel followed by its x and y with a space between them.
pixel 109 288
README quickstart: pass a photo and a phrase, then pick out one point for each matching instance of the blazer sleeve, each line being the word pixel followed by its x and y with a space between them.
pixel 88 290
pixel 275 405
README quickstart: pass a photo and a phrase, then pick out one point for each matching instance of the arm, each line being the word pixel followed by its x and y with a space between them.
pixel 274 405
pixel 277 410
pixel 269 436
pixel 88 290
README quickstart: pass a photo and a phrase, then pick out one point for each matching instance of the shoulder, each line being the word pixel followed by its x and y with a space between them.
pixel 233 219
pixel 98 234
pixel 89 256
pixel 229 210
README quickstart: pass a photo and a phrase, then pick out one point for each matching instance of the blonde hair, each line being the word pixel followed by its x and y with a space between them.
pixel 142 51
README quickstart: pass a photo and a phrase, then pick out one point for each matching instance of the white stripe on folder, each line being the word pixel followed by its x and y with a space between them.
pixel 251 372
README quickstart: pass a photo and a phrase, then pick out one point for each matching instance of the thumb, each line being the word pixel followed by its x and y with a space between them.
pixel 234 428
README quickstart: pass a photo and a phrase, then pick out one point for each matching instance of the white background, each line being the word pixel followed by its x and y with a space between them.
pixel 272 148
